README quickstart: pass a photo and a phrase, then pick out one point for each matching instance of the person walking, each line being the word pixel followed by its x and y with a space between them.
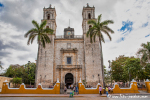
pixel 109 89
pixel 76 90
pixel 100 90
pixel 106 91
pixel 65 90
pixel 72 86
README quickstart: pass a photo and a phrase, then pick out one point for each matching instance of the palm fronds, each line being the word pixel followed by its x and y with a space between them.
pixel 40 32
pixel 98 28
pixel 145 52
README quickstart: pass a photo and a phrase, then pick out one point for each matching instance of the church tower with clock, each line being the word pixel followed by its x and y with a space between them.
pixel 69 32
pixel 69 57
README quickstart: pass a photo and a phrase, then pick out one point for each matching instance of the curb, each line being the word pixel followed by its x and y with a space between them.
pixel 67 96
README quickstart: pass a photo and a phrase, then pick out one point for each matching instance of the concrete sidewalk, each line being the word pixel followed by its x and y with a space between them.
pixel 66 95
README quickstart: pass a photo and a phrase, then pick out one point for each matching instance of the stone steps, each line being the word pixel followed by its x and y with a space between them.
pixel 69 90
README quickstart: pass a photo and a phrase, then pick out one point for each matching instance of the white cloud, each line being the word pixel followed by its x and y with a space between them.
pixel 16 17
pixel 136 12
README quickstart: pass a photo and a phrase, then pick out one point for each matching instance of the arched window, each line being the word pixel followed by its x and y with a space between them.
pixel 90 26
pixel 47 26
pixel 89 16
pixel 48 16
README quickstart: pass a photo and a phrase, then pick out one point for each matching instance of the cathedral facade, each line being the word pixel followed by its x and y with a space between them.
pixel 69 57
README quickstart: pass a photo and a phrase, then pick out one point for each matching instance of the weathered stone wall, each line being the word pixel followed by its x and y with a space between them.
pixel 45 64
pixel 93 62
pixel 44 73
pixel 60 58
pixel 92 51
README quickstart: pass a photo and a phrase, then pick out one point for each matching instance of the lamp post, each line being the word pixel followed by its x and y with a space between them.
pixel 28 69
pixel 99 78
pixel 40 78
pixel 110 71
pixel 129 75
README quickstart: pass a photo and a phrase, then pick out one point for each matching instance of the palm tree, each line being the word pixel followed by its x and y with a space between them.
pixel 96 30
pixel 1 66
pixel 41 33
pixel 42 36
pixel 145 53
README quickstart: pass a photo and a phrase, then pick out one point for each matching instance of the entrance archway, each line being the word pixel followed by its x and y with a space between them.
pixel 68 79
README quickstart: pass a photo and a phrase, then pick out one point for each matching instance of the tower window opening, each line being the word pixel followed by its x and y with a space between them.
pixel 90 26
pixel 48 16
pixel 47 26
pixel 89 16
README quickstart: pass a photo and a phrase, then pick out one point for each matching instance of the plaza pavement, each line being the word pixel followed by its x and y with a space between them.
pixel 67 95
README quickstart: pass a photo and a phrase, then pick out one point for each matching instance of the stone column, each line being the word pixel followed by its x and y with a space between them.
pixel 76 73
pixel 147 83
pixel 61 73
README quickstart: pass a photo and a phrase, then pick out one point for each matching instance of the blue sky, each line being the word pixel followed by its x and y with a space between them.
pixel 145 24
pixel 125 29
pixel 1 5
pixel 131 25
pixel 126 26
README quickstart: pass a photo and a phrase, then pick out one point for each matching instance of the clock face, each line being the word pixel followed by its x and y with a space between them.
pixel 68 33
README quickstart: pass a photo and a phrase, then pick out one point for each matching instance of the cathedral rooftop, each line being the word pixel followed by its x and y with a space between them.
pixel 69 29
pixel 50 7
pixel 88 6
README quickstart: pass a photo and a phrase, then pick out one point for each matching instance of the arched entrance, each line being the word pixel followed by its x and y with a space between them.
pixel 68 79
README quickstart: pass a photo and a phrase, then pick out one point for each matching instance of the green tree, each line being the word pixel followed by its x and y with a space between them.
pixel 133 66
pixel 126 68
pixel 16 81
pixel 145 53
pixel 30 73
pixel 96 30
pixel 147 71
pixel 26 72
pixel 13 71
pixel 117 69
pixel 41 33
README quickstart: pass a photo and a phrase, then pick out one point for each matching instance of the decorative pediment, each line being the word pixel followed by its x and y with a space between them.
pixel 71 50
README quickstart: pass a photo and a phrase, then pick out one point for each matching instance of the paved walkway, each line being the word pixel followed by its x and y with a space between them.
pixel 66 95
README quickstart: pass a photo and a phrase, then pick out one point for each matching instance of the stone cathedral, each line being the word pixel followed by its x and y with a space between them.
pixel 69 57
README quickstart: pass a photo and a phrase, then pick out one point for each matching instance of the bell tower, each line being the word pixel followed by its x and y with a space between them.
pixel 92 53
pixel 88 13
pixel 44 74
pixel 49 14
